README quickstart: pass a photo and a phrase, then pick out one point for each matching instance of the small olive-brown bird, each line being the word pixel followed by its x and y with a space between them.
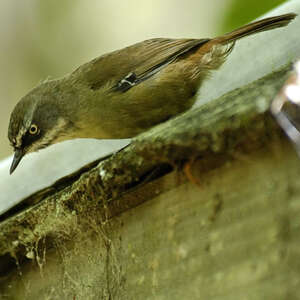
pixel 122 93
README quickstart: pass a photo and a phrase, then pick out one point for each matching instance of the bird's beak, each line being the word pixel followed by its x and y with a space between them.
pixel 19 153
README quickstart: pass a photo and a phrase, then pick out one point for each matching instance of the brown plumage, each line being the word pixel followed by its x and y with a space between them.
pixel 151 56
pixel 123 93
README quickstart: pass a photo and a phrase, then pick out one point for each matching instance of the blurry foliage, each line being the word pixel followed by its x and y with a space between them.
pixel 45 51
pixel 242 12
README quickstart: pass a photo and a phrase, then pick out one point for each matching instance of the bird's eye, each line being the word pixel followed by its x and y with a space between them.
pixel 33 129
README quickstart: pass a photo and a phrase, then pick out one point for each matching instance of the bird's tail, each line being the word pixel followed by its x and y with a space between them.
pixel 258 26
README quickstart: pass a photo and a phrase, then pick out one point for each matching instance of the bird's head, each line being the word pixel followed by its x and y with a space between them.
pixel 36 122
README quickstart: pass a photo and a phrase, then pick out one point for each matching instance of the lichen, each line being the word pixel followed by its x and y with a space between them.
pixel 84 206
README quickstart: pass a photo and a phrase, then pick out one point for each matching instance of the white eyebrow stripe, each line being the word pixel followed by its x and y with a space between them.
pixel 19 137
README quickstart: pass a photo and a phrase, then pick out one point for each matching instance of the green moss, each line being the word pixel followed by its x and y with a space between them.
pixel 80 205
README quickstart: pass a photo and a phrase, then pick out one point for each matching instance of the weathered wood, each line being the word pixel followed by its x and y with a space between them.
pixel 133 228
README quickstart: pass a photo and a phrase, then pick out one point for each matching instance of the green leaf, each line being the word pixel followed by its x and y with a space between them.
pixel 242 12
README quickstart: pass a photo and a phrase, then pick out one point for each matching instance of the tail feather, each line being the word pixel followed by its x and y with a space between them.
pixel 258 26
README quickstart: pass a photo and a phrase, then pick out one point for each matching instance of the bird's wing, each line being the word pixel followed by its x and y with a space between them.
pixel 156 54
pixel 125 68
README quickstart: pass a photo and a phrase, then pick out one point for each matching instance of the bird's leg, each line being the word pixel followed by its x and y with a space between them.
pixel 188 171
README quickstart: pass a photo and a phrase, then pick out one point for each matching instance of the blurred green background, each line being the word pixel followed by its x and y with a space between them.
pixel 47 39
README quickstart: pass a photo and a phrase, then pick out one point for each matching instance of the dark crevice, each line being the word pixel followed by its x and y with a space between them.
pixel 59 185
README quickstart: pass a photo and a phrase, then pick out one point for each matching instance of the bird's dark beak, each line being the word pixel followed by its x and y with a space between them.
pixel 19 153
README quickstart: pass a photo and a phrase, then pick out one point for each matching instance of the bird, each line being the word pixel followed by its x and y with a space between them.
pixel 123 93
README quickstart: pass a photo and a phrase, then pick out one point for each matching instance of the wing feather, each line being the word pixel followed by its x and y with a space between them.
pixel 125 68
